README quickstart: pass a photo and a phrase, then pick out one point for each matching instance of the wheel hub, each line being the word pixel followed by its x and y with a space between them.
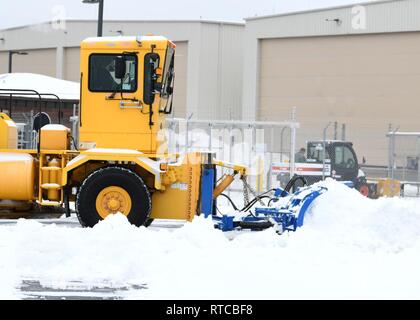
pixel 111 200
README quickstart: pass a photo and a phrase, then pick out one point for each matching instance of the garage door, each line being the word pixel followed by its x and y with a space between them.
pixel 40 61
pixel 180 89
pixel 4 62
pixel 72 64
pixel 364 81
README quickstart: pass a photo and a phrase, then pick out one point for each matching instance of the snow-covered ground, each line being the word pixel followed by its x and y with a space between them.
pixel 350 247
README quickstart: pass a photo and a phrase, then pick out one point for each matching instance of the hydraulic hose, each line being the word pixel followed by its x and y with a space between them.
pixel 230 200
pixel 253 202
pixel 291 184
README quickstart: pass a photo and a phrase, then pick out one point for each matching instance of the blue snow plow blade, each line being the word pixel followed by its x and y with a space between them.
pixel 286 217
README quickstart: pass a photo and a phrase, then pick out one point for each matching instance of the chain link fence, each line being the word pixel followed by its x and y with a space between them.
pixel 253 144
pixel 403 163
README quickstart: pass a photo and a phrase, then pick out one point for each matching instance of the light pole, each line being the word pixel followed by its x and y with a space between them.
pixel 11 53
pixel 100 14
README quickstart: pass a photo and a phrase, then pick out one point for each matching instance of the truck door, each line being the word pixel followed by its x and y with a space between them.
pixel 344 162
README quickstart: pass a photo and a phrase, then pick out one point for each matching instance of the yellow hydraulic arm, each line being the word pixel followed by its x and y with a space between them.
pixel 227 179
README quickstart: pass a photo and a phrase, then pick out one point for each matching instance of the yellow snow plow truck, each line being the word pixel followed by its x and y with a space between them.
pixel 119 164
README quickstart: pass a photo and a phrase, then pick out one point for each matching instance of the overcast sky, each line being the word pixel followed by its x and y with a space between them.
pixel 25 12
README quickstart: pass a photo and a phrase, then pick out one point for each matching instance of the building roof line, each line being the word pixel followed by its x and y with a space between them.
pixel 123 21
pixel 293 13
pixel 164 20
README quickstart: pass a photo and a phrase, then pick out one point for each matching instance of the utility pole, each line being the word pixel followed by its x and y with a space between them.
pixel 100 17
pixel 100 14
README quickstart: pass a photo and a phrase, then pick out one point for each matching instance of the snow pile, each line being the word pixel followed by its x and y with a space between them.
pixel 349 247
pixel 8 275
pixel 65 90
pixel 390 224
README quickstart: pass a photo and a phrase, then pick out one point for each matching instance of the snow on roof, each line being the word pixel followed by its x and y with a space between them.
pixel 54 127
pixel 65 90
pixel 114 38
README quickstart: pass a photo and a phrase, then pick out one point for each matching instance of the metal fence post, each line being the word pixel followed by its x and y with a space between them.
pixel 324 137
pixel 389 153
pixel 292 151
pixel 343 132
pixel 293 143
pixel 335 130
pixel 393 156
pixel 269 171
pixel 281 142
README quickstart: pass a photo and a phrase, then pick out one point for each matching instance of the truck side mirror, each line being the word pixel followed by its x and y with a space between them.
pixel 120 67
pixel 151 63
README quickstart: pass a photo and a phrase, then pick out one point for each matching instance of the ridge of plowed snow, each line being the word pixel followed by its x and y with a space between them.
pixel 348 218
pixel 349 247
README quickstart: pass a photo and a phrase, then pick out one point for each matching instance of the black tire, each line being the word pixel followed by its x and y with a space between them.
pixel 148 222
pixel 113 176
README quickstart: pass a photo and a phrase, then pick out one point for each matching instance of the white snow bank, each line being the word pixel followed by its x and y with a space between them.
pixel 350 247
pixel 66 90
pixel 390 224
pixel 54 127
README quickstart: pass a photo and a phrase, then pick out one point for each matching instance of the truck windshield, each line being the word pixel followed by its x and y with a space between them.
pixel 102 73
pixel 344 158
pixel 315 152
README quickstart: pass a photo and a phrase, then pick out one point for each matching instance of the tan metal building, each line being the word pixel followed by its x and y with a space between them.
pixel 208 72
pixel 358 65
